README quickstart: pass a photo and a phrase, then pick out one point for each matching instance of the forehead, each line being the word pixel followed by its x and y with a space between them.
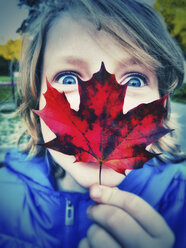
pixel 67 29
pixel 74 35
pixel 70 34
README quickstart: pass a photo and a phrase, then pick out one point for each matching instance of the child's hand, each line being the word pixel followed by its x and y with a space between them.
pixel 124 220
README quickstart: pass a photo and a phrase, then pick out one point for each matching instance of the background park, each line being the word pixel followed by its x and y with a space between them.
pixel 173 11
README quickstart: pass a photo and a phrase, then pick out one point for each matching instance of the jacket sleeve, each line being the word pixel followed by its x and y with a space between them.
pixel 173 208
pixel 13 209
pixel 9 242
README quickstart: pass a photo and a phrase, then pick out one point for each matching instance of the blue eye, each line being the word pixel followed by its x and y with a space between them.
pixel 135 81
pixel 67 79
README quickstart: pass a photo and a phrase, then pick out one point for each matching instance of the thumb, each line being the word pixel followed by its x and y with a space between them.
pixel 103 194
pixel 133 205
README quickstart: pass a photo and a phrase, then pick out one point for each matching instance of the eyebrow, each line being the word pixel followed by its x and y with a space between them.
pixel 128 62
pixel 78 62
pixel 83 66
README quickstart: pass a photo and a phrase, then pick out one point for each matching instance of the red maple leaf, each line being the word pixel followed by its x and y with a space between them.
pixel 99 131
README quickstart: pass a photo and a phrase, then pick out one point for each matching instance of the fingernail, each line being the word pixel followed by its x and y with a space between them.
pixel 96 191
pixel 89 211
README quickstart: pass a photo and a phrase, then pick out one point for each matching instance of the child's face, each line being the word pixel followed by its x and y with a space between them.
pixel 76 49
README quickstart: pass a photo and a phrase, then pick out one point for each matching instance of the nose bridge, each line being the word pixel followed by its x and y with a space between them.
pixel 106 50
pixel 108 61
pixel 110 66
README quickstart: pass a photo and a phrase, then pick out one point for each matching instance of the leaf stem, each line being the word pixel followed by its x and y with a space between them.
pixel 100 163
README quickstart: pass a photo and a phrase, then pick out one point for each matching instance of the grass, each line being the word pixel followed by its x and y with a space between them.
pixel 6 93
pixel 7 78
pixel 4 78
pixel 6 90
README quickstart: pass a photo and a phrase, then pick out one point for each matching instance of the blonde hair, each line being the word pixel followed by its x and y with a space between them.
pixel 135 25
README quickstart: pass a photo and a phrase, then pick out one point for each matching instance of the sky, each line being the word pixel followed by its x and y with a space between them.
pixel 11 17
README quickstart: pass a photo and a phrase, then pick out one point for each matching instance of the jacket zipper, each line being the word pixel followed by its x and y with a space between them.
pixel 69 213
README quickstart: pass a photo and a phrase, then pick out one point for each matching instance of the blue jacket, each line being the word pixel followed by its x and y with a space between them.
pixel 33 214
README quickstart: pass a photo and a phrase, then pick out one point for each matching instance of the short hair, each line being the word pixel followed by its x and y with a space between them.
pixel 138 27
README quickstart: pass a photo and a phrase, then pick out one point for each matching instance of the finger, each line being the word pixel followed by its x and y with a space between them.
pixel 84 243
pixel 123 227
pixel 135 206
pixel 98 237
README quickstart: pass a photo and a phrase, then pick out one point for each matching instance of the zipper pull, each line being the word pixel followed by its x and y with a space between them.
pixel 69 213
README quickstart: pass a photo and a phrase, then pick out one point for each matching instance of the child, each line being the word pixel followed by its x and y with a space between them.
pixel 45 200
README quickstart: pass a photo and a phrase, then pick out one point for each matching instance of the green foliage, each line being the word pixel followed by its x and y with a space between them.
pixel 174 13
pixel 180 94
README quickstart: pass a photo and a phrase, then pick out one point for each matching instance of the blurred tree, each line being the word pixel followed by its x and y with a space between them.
pixel 4 66
pixel 10 51
pixel 174 13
